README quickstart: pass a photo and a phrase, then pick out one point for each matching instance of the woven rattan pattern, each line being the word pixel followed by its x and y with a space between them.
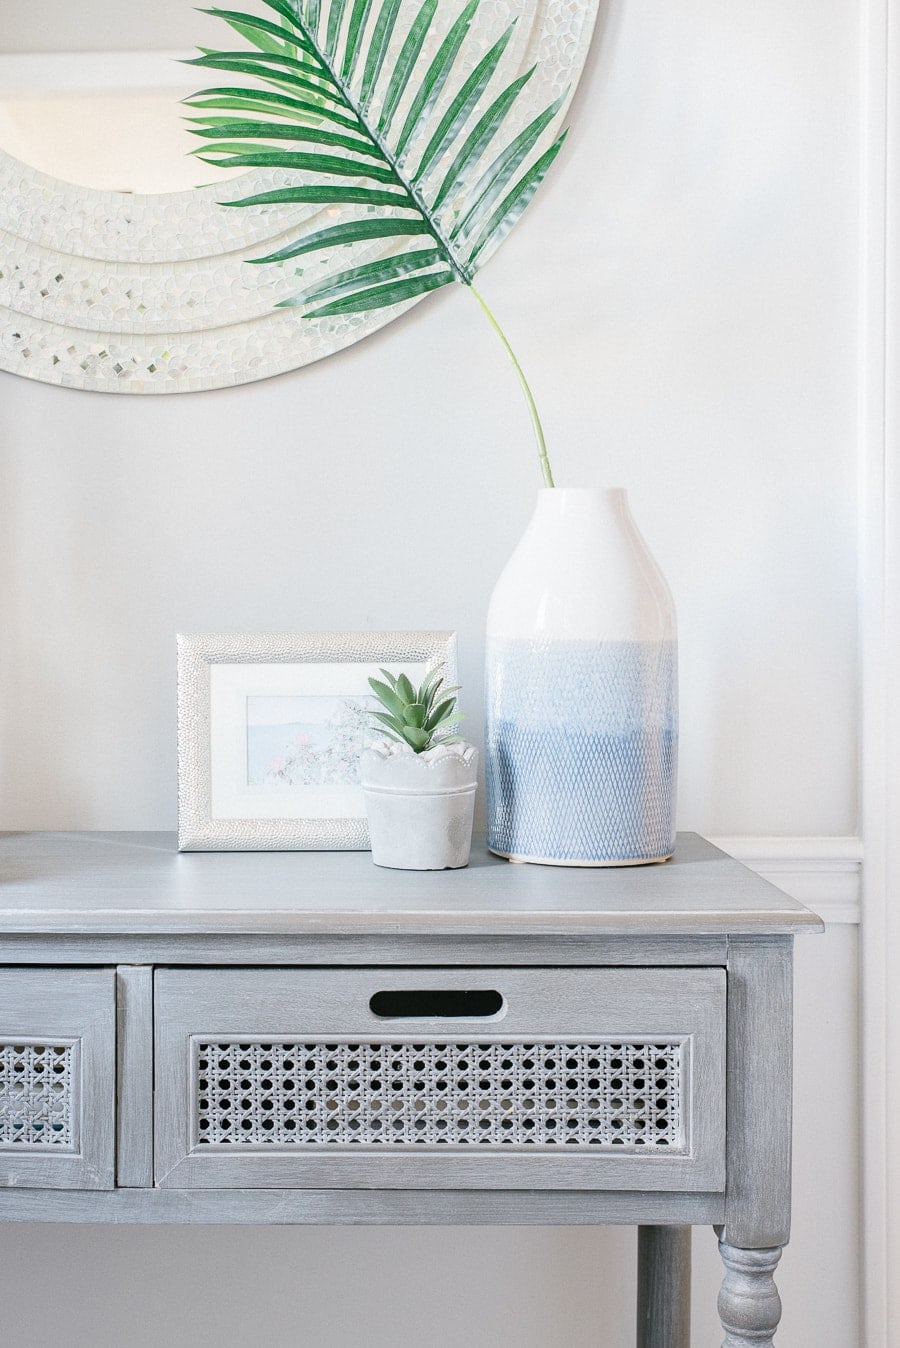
pixel 37 1095
pixel 426 1093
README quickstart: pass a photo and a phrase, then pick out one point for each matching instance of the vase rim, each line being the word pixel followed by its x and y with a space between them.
pixel 592 499
pixel 582 491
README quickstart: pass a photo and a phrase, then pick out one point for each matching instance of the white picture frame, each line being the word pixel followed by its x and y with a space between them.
pixel 270 728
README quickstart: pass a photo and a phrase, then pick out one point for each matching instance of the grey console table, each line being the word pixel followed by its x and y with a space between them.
pixel 302 1037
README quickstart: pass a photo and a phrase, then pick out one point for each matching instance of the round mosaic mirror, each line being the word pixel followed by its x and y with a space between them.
pixel 129 291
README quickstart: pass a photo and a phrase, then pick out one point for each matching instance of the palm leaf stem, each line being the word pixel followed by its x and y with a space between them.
pixel 543 460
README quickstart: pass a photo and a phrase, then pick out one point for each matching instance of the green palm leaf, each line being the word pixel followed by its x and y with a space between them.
pixel 480 138
pixel 262 33
pixel 372 273
pixel 498 176
pixel 226 128
pixel 316 196
pixel 335 16
pixel 381 297
pixel 381 39
pixel 456 116
pixel 303 161
pixel 403 68
pixel 359 13
pixel 337 57
pixel 336 236
pixel 268 104
pixel 296 75
pixel 328 85
pixel 436 76
pixel 512 206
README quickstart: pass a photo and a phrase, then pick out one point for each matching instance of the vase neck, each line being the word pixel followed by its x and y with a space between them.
pixel 571 505
pixel 582 571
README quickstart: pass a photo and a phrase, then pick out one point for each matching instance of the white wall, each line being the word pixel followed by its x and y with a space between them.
pixel 684 296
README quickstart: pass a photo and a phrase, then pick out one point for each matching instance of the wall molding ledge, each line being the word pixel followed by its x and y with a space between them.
pixel 823 872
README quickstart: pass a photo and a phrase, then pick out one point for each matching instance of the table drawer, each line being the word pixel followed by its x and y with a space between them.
pixel 57 1078
pixel 441 1078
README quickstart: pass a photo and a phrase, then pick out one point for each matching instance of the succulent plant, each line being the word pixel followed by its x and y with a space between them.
pixel 419 717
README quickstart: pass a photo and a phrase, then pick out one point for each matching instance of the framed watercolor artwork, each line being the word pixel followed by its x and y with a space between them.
pixel 270 730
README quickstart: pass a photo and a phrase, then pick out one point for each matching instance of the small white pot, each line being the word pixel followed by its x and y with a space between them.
pixel 420 807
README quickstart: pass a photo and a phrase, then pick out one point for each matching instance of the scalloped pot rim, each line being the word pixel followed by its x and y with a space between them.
pixel 437 771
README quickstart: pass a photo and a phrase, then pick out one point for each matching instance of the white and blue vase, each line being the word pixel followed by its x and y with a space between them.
pixel 581 696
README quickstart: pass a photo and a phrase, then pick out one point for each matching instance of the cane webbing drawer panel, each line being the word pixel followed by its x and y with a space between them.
pixel 57 1077
pixel 38 1094
pixel 439 1093
pixel 584 1076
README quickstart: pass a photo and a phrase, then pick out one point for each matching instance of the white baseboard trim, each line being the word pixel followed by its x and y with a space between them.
pixel 823 873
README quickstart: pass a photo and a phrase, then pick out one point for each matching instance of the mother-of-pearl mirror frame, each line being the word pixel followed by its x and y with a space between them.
pixel 124 293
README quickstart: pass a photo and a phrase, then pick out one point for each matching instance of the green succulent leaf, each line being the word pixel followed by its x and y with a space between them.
pixel 390 721
pixel 415 716
pixel 405 689
pixel 394 702
pixel 415 738
pixel 389 735
pixel 439 733
pixel 439 713
pixel 430 685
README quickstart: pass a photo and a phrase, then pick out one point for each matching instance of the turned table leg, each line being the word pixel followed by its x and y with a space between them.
pixel 749 1304
pixel 664 1287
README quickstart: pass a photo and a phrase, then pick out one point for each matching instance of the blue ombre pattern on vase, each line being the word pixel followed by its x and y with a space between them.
pixel 581 750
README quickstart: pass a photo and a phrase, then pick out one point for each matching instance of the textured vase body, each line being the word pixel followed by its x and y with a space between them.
pixel 581 690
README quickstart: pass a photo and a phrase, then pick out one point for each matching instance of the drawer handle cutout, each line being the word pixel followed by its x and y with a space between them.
pixel 436 1004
